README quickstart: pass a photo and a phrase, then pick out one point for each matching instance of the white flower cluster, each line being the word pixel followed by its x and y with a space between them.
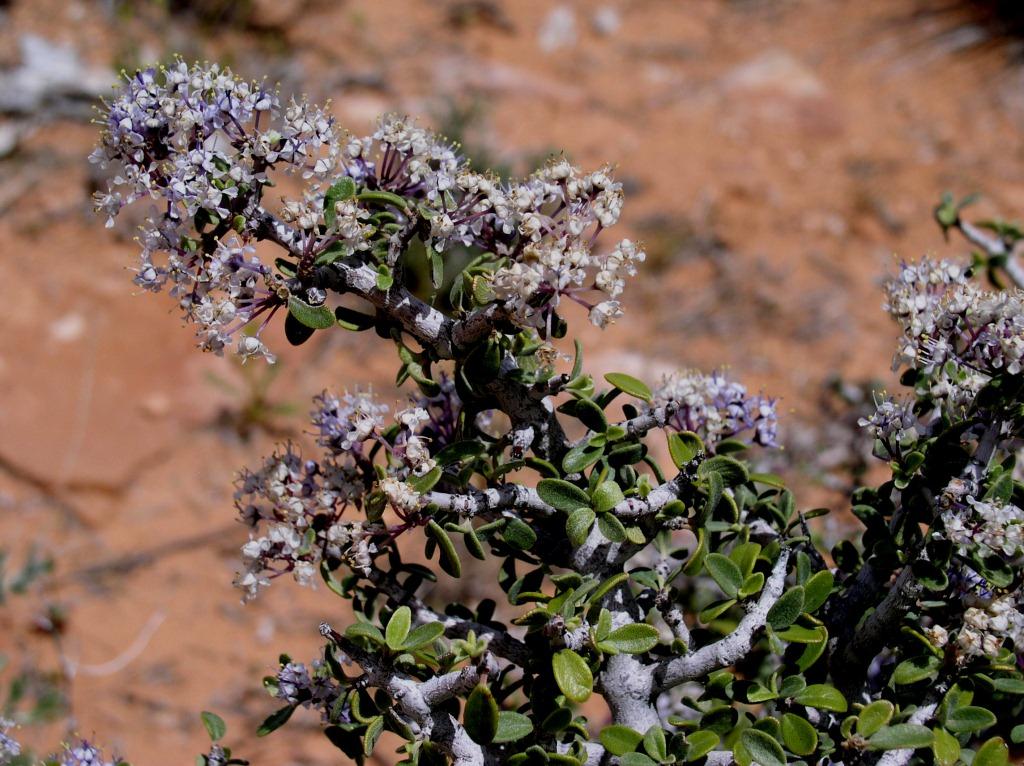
pixel 300 504
pixel 715 408
pixel 985 629
pixel 545 226
pixel 296 507
pixel 202 142
pixel 997 526
pixel 956 333
pixel 404 158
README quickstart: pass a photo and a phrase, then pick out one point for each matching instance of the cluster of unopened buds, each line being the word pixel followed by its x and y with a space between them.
pixel 715 408
pixel 312 686
pixel 987 628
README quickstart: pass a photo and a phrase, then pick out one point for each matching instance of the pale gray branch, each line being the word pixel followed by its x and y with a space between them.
pixel 728 650
pixel 995 247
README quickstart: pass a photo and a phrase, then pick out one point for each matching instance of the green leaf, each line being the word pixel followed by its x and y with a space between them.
pixel 519 534
pixel 353 320
pixel 715 609
pixel 684 447
pixel 611 528
pixel 785 611
pixel 655 744
pixel 481 715
pixel 512 726
pixel 561 495
pixel 577 526
pixel 732 470
pixel 591 415
pixel 423 635
pixel 581 456
pixel 295 332
pixel 770 479
pixel 450 561
pixel 619 740
pixel 635 759
pixel 214 725
pixel 397 629
pixel 969 718
pixel 725 573
pixel 946 748
pixel 798 634
pixel 752 584
pixel 373 732
pixel 459 452
pixel 901 735
pixel 436 266
pixel 635 638
pixel 916 669
pixel 425 483
pixel 700 743
pixel 572 674
pixel 823 697
pixel 629 385
pixel 275 720
pixel 365 630
pixel 993 753
pixel 606 496
pixel 745 557
pixel 1017 734
pixel 314 317
pixel 342 190
pixel 817 589
pixel 874 716
pixel 383 198
pixel 1009 685
pixel 762 748
pixel 799 736
pixel 606 586
pixel 716 487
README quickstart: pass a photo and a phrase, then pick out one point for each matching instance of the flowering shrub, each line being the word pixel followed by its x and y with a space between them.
pixel 687 597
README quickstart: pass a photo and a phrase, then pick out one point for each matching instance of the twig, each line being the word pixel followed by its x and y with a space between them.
pixel 125 658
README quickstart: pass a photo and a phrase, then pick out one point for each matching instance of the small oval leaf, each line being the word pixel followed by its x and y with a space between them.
pixel 572 674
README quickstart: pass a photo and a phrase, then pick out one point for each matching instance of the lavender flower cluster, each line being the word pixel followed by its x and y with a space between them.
pixel 894 425
pixel 84 754
pixel 716 408
pixel 956 333
pixel 544 228
pixel 9 746
pixel 303 511
pixel 997 526
pixel 204 144
pixel 201 143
